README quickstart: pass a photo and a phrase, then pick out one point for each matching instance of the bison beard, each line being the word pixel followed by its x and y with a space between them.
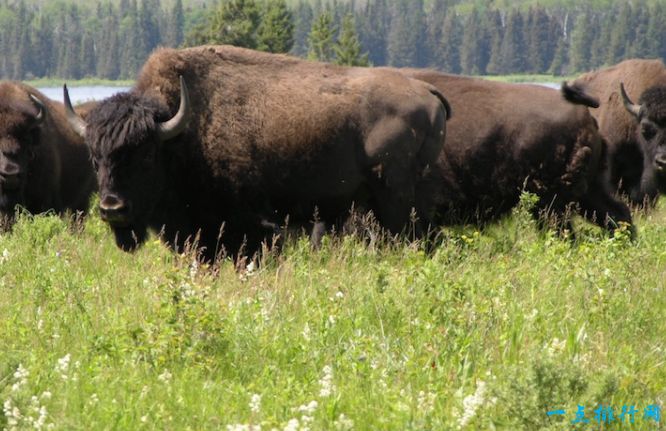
pixel 128 238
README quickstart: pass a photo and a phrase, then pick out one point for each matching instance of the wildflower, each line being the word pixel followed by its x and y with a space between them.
pixel 306 332
pixel 63 366
pixel 46 395
pixel 21 377
pixel 292 425
pixel 326 382
pixel 94 399
pixel 343 423
pixel 144 392
pixel 144 419
pixel 339 295
pixel 12 414
pixel 308 409
pixel 426 401
pixel 5 256
pixel 165 377
pixel 472 403
pixel 255 403
pixel 556 347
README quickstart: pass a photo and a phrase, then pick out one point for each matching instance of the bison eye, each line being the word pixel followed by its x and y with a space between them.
pixel 648 131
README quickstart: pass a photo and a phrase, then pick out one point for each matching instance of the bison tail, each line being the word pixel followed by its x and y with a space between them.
pixel 576 94
pixel 435 92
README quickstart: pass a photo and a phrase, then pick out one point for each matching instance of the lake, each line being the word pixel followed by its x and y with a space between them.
pixel 82 94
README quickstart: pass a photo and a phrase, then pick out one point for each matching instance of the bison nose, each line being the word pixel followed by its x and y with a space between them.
pixel 114 209
pixel 660 162
pixel 10 176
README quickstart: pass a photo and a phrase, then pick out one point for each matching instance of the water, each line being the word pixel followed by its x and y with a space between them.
pixel 82 94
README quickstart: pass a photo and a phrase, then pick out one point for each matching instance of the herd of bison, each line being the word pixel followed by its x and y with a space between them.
pixel 222 145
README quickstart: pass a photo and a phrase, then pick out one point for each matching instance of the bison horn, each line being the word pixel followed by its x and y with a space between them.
pixel 175 126
pixel 75 121
pixel 41 114
pixel 628 104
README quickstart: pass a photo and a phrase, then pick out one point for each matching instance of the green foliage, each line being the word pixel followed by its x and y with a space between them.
pixel 348 48
pixel 235 23
pixel 320 40
pixel 276 31
pixel 491 330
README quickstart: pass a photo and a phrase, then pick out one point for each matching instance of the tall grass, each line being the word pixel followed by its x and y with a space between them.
pixel 491 330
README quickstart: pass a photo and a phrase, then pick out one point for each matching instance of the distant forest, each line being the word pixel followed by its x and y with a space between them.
pixel 70 39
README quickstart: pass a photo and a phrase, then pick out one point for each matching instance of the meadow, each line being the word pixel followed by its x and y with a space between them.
pixel 492 330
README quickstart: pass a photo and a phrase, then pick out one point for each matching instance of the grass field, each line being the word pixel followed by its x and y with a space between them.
pixel 491 331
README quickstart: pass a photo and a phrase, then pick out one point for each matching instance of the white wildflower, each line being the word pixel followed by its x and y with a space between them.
pixel 331 320
pixel 472 403
pixel 308 409
pixel 94 399
pixel 326 382
pixel 165 377
pixel 343 423
pixel 144 419
pixel 144 392
pixel 62 367
pixel 306 332
pixel 243 427
pixel 255 403
pixel 5 256
pixel 426 401
pixel 194 269
pixel 555 347
pixel 12 414
pixel 339 295
pixel 21 377
pixel 292 425
pixel 46 395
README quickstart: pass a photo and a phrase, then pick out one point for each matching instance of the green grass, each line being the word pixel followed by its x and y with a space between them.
pixel 532 78
pixel 523 319
pixel 87 82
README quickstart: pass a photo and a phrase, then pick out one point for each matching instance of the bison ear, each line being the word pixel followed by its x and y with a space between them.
pixel 632 108
pixel 41 110
pixel 75 121
pixel 175 126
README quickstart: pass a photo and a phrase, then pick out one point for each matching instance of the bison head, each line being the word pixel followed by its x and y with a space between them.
pixel 650 113
pixel 19 129
pixel 125 134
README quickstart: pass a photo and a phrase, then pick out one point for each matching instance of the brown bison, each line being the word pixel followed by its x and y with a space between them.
pixel 44 164
pixel 505 138
pixel 636 133
pixel 268 136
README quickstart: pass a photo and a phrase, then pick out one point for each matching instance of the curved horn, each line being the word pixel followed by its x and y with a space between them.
pixel 41 115
pixel 175 126
pixel 628 104
pixel 75 121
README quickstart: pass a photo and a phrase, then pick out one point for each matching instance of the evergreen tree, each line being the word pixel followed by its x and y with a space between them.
pixel 620 34
pixel 581 42
pixel 374 27
pixel 348 48
pixel 640 47
pixel 320 41
pixel 434 28
pixel 276 31
pixel 513 44
pixel 656 36
pixel 470 50
pixel 495 31
pixel 538 41
pixel 235 23
pixel 302 25
pixel 406 38
pixel 174 36
pixel 449 44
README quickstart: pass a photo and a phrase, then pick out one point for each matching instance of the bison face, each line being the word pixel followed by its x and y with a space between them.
pixel 19 128
pixel 651 135
pixel 126 135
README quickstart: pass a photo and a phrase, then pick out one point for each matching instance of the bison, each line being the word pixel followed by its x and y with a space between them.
pixel 44 164
pixel 506 138
pixel 636 133
pixel 244 137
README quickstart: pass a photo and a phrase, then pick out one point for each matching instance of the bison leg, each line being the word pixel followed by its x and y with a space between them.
pixel 601 208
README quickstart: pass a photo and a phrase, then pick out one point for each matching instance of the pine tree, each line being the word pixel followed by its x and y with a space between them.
pixel 581 42
pixel 470 51
pixel 373 31
pixel 348 48
pixel 276 31
pixel 619 34
pixel 434 28
pixel 235 23
pixel 538 41
pixel 320 41
pixel 174 36
pixel 302 25
pixel 495 31
pixel 513 44
pixel 640 46
pixel 406 38
pixel 449 44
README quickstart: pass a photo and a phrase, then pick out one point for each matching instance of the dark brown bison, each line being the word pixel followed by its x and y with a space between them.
pixel 636 133
pixel 268 136
pixel 505 138
pixel 44 164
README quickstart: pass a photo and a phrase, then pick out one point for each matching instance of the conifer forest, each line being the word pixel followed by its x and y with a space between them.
pixel 76 39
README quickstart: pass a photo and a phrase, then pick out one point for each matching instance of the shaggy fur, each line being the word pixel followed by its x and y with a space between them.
pixel 632 155
pixel 51 162
pixel 270 136
pixel 506 138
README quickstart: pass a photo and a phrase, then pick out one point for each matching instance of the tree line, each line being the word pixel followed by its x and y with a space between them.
pixel 111 40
